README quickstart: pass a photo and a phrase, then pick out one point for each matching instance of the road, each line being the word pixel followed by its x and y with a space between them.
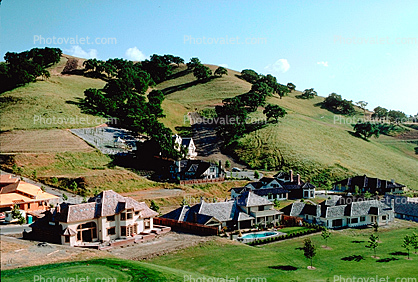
pixel 14 229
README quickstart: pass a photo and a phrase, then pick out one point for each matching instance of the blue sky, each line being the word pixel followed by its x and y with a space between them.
pixel 363 50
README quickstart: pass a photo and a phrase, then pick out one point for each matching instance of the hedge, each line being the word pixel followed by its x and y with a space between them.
pixel 315 228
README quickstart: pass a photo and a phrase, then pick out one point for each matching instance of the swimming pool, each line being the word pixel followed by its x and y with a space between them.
pixel 259 235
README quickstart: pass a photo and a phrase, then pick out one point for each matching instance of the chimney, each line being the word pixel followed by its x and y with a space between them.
pixel 298 176
pixel 392 204
pixel 291 175
pixel 179 165
pixel 393 181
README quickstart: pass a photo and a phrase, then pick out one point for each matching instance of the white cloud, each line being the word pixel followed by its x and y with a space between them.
pixel 223 65
pixel 77 51
pixel 281 65
pixel 325 64
pixel 135 54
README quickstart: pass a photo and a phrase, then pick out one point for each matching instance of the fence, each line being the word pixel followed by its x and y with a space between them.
pixel 187 227
pixel 200 181
pixel 291 220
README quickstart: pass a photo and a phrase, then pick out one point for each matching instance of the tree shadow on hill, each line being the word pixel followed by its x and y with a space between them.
pixel 356 258
pixel 387 259
pixel 250 127
pixel 352 133
pixel 357 242
pixel 284 267
pixel 184 86
pixel 178 74
pixel 398 254
pixel 84 107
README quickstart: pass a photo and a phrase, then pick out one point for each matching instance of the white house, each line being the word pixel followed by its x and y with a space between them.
pixel 344 212
pixel 188 145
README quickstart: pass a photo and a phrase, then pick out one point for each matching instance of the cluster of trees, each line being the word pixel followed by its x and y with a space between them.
pixel 238 108
pixel 380 113
pixel 253 77
pixel 202 72
pixel 22 68
pixel 308 94
pixel 335 103
pixel 123 97
pixel 159 67
pixel 367 130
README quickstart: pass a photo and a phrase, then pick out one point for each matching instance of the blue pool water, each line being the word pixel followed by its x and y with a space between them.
pixel 259 235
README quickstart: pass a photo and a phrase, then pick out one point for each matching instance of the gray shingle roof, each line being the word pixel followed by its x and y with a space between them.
pixel 222 211
pixel 106 203
pixel 249 199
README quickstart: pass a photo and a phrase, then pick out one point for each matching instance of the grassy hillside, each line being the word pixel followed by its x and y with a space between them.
pixel 310 142
pixel 30 106
pixel 307 139
pixel 185 97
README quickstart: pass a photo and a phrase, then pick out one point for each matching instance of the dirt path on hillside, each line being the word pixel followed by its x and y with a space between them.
pixel 207 142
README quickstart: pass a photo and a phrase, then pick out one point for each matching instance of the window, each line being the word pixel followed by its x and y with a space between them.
pixel 123 231
pixel 28 205
pixel 67 239
pixel 123 216
pixel 111 231
pixel 110 218
pixel 129 215
pixel 354 220
pixel 147 223
pixel 362 218
pixel 383 217
pixel 137 212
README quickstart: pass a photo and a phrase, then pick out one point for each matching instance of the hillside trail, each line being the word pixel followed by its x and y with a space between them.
pixel 208 144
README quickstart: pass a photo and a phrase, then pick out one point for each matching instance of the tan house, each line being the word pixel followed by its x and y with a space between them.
pixel 106 217
pixel 28 197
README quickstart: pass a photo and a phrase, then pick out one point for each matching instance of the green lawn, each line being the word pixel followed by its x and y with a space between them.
pixel 273 261
pixel 111 270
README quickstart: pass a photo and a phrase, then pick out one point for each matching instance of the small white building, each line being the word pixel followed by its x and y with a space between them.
pixel 187 144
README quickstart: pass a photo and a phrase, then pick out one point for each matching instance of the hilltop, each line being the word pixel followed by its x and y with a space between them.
pixel 307 140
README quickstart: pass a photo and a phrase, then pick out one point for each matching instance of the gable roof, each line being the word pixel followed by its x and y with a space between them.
pixel 267 191
pixel 6 179
pixel 250 199
pixel 106 203
pixel 186 141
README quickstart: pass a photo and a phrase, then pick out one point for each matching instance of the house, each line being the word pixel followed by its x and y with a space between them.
pixel 6 179
pixel 343 212
pixel 271 194
pixel 195 169
pixel 28 197
pixel 242 212
pixel 104 218
pixel 282 187
pixel 297 188
pixel 405 208
pixel 367 184
pixel 187 143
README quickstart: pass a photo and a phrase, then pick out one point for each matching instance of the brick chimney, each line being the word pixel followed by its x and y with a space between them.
pixel 298 176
